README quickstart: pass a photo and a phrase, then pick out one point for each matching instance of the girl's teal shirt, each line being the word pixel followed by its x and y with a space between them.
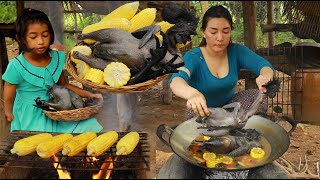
pixel 31 83
pixel 218 91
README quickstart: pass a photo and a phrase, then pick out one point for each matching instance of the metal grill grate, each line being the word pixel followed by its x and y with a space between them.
pixel 137 160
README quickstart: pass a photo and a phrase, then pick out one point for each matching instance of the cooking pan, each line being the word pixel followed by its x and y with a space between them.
pixel 180 138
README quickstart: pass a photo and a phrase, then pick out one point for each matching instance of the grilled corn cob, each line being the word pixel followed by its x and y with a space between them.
pixel 86 50
pixel 82 69
pixel 54 145
pixel 119 23
pixel 116 74
pixel 144 18
pixel 127 143
pixel 127 11
pixel 78 143
pixel 95 75
pixel 29 144
pixel 164 28
pixel 101 143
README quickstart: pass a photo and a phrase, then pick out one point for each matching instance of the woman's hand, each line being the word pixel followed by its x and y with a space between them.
pixel 262 80
pixel 9 117
pixel 197 103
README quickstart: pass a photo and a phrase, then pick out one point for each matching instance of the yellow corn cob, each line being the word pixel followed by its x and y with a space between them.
pixel 127 143
pixel 119 23
pixel 29 144
pixel 144 18
pixel 127 11
pixel 116 74
pixel 82 69
pixel 86 50
pixel 78 143
pixel 54 145
pixel 164 28
pixel 180 45
pixel 95 75
pixel 102 143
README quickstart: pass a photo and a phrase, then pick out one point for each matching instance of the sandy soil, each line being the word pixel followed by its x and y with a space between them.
pixel 305 143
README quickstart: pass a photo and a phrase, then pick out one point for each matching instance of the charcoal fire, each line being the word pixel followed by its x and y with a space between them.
pixel 106 166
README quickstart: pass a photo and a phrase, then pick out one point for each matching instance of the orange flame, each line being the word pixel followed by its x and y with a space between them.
pixel 105 170
pixel 63 174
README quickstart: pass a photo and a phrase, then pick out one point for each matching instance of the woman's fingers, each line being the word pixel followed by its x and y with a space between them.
pixel 205 109
pixel 198 104
pixel 199 108
pixel 262 80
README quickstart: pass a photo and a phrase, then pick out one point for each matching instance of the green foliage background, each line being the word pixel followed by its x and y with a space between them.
pixel 8 11
pixel 8 14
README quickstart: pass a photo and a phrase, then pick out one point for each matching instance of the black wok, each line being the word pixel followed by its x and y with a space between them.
pixel 180 138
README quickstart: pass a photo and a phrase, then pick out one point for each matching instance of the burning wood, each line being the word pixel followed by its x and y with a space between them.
pixel 106 169
pixel 63 174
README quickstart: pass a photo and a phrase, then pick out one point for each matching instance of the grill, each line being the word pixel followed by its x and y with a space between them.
pixel 132 166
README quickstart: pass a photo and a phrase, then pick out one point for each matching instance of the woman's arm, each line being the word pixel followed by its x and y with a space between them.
pixel 81 92
pixel 9 94
pixel 250 60
pixel 195 99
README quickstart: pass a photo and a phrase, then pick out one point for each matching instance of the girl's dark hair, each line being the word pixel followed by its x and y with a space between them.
pixel 215 12
pixel 27 17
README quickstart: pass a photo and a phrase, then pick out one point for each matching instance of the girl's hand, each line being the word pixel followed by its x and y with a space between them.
pixel 9 117
pixel 198 104
pixel 97 96
pixel 262 80
pixel 57 47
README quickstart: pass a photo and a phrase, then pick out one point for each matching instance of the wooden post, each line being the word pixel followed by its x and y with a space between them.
pixel 8 31
pixel 270 20
pixel 4 128
pixel 249 21
pixel 19 7
pixel 204 6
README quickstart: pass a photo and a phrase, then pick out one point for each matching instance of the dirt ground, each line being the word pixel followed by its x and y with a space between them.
pixel 305 143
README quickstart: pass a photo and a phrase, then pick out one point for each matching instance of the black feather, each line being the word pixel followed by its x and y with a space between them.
pixel 272 87
pixel 40 104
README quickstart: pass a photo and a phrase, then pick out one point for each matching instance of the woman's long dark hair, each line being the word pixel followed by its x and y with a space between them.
pixel 27 17
pixel 215 12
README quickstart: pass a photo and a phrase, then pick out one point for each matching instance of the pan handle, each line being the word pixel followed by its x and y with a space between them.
pixel 161 129
pixel 291 121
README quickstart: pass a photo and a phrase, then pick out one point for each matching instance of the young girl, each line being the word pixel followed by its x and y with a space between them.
pixel 28 74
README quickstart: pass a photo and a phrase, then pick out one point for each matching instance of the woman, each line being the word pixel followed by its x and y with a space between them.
pixel 211 70
pixel 208 79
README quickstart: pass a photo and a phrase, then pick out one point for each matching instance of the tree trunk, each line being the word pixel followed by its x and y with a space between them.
pixel 270 20
pixel 249 20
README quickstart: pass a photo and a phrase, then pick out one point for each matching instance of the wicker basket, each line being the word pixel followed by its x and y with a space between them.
pixel 75 114
pixel 70 66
